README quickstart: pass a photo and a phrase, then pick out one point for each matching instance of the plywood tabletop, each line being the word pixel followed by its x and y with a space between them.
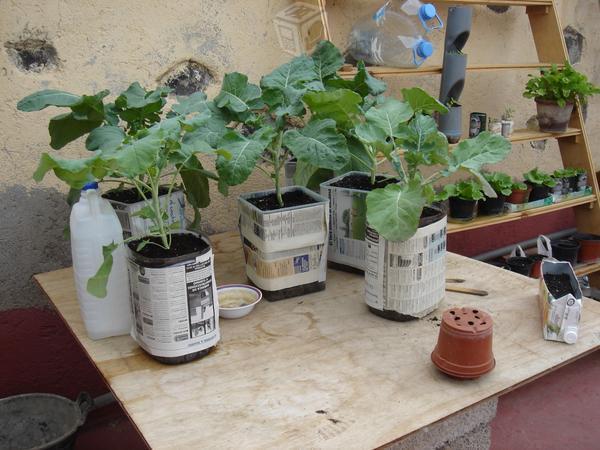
pixel 320 371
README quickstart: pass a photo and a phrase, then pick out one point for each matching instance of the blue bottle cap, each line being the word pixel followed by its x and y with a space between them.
pixel 427 11
pixel 424 49
pixel 90 185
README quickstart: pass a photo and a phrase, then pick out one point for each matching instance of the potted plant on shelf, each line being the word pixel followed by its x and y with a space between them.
pixel 508 123
pixel 541 183
pixel 463 197
pixel 568 179
pixel 519 193
pixel 502 185
pixel 495 125
pixel 451 122
pixel 555 92
pixel 146 150
pixel 581 179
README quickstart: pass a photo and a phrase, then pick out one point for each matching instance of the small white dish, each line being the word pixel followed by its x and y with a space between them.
pixel 237 300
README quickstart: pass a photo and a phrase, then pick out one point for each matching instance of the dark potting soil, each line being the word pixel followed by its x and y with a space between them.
pixel 362 182
pixel 130 195
pixel 268 202
pixel 181 244
pixel 559 285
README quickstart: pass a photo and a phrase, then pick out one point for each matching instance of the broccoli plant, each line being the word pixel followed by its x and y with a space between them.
pixel 538 177
pixel 500 182
pixel 470 190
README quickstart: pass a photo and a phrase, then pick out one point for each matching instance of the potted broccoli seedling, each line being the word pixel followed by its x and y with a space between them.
pixel 541 183
pixel 519 193
pixel 508 123
pixel 146 150
pixel 568 178
pixel 463 197
pixel 555 92
pixel 502 185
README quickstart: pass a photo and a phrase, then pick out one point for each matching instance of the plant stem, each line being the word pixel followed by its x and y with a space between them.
pixel 155 184
pixel 278 164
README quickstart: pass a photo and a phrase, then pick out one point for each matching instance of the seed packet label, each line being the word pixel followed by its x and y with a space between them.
pixel 407 277
pixel 559 315
pixel 175 309
pixel 347 226
pixel 136 226
pixel 279 270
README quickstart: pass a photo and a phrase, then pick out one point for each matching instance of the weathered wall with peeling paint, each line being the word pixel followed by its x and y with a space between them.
pixel 88 46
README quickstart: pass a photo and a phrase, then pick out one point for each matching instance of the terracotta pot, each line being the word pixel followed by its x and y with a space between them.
pixel 551 117
pixel 464 347
pixel 536 269
pixel 590 247
pixel 518 197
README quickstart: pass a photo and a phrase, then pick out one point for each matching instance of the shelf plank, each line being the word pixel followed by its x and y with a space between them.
pixel 524 135
pixel 481 222
pixel 498 2
pixel 383 71
pixel 586 269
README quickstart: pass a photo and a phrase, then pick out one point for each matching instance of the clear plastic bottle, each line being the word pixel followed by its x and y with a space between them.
pixel 389 38
pixel 423 14
pixel 94 223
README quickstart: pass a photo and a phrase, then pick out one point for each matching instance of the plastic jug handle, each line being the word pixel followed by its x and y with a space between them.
pixel 439 26
pixel 417 60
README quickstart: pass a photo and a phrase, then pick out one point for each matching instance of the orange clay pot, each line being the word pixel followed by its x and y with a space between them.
pixel 464 347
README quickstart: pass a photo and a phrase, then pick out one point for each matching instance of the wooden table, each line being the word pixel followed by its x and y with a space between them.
pixel 320 371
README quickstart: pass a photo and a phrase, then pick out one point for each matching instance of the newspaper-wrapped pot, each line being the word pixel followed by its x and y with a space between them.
pixel 136 226
pixel 406 280
pixel 175 304
pixel 285 249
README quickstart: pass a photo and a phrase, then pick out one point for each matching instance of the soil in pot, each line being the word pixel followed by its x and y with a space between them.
pixel 589 250
pixel 464 346
pixel 189 256
pixel 539 192
pixel 130 195
pixel 462 209
pixel 559 285
pixel 291 199
pixel 566 250
pixel 491 206
pixel 362 182
pixel 518 197
pixel 520 264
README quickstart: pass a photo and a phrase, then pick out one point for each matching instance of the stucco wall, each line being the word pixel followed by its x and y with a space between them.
pixel 111 43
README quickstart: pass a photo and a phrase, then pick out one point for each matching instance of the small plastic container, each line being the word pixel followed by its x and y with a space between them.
pixel 237 300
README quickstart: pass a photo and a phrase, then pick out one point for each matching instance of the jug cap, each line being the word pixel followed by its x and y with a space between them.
pixel 424 49
pixel 427 11
pixel 570 335
pixel 90 185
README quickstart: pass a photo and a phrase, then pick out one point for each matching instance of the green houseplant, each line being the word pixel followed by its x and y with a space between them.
pixel 135 144
pixel 540 182
pixel 519 193
pixel 568 178
pixel 463 197
pixel 502 185
pixel 555 92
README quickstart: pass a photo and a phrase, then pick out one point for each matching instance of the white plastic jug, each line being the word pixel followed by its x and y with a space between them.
pixel 424 14
pixel 94 223
pixel 389 38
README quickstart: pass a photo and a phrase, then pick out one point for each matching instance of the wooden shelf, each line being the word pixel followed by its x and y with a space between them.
pixel 525 135
pixel 586 269
pixel 498 2
pixel 383 72
pixel 481 222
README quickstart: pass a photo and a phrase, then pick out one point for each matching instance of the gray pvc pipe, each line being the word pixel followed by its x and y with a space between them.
pixel 453 76
pixel 458 28
pixel 451 123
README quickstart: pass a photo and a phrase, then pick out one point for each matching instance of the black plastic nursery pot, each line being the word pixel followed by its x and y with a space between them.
pixel 573 182
pixel 491 206
pixel 182 278
pixel 406 280
pixel 461 209
pixel 538 192
pixel 348 218
pixel 285 248
pixel 566 250
pixel 551 117
pixel 520 264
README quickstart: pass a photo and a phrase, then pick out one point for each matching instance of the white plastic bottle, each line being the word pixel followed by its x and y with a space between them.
pixel 94 223
pixel 389 38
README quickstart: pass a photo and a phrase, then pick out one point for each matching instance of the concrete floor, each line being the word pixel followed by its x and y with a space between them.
pixel 39 354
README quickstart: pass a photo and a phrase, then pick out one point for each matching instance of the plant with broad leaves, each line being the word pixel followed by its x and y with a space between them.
pixel 518 186
pixel 135 145
pixel 466 190
pixel 567 172
pixel 560 85
pixel 500 182
pixel 537 177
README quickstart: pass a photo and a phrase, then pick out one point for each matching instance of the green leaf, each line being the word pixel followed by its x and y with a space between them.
pixel 362 83
pixel 311 176
pixel 210 131
pixel 421 101
pixel 423 143
pixel 318 143
pixel 64 128
pixel 395 210
pixel 389 115
pixel 328 60
pixel 237 94
pixel 90 107
pixel 466 190
pixel 74 172
pixel 97 284
pixel 146 212
pixel 135 158
pixel 106 138
pixel 473 154
pixel 190 104
pixel 340 105
pixel 47 97
pixel 297 74
pixel 141 245
pixel 244 156
pixel 195 183
pixel 359 158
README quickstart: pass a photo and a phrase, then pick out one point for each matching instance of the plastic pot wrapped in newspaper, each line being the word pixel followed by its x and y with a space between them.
pixel 127 203
pixel 174 298
pixel 348 218
pixel 285 248
pixel 406 280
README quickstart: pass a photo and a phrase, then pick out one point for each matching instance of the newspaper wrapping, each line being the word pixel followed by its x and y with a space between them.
pixel 136 226
pixel 286 247
pixel 176 308
pixel 407 277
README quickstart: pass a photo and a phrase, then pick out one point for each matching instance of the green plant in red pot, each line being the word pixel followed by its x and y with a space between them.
pixel 519 193
pixel 555 92
pixel 463 197
pixel 541 183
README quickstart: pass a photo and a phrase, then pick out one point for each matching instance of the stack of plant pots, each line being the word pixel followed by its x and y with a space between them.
pixel 454 67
